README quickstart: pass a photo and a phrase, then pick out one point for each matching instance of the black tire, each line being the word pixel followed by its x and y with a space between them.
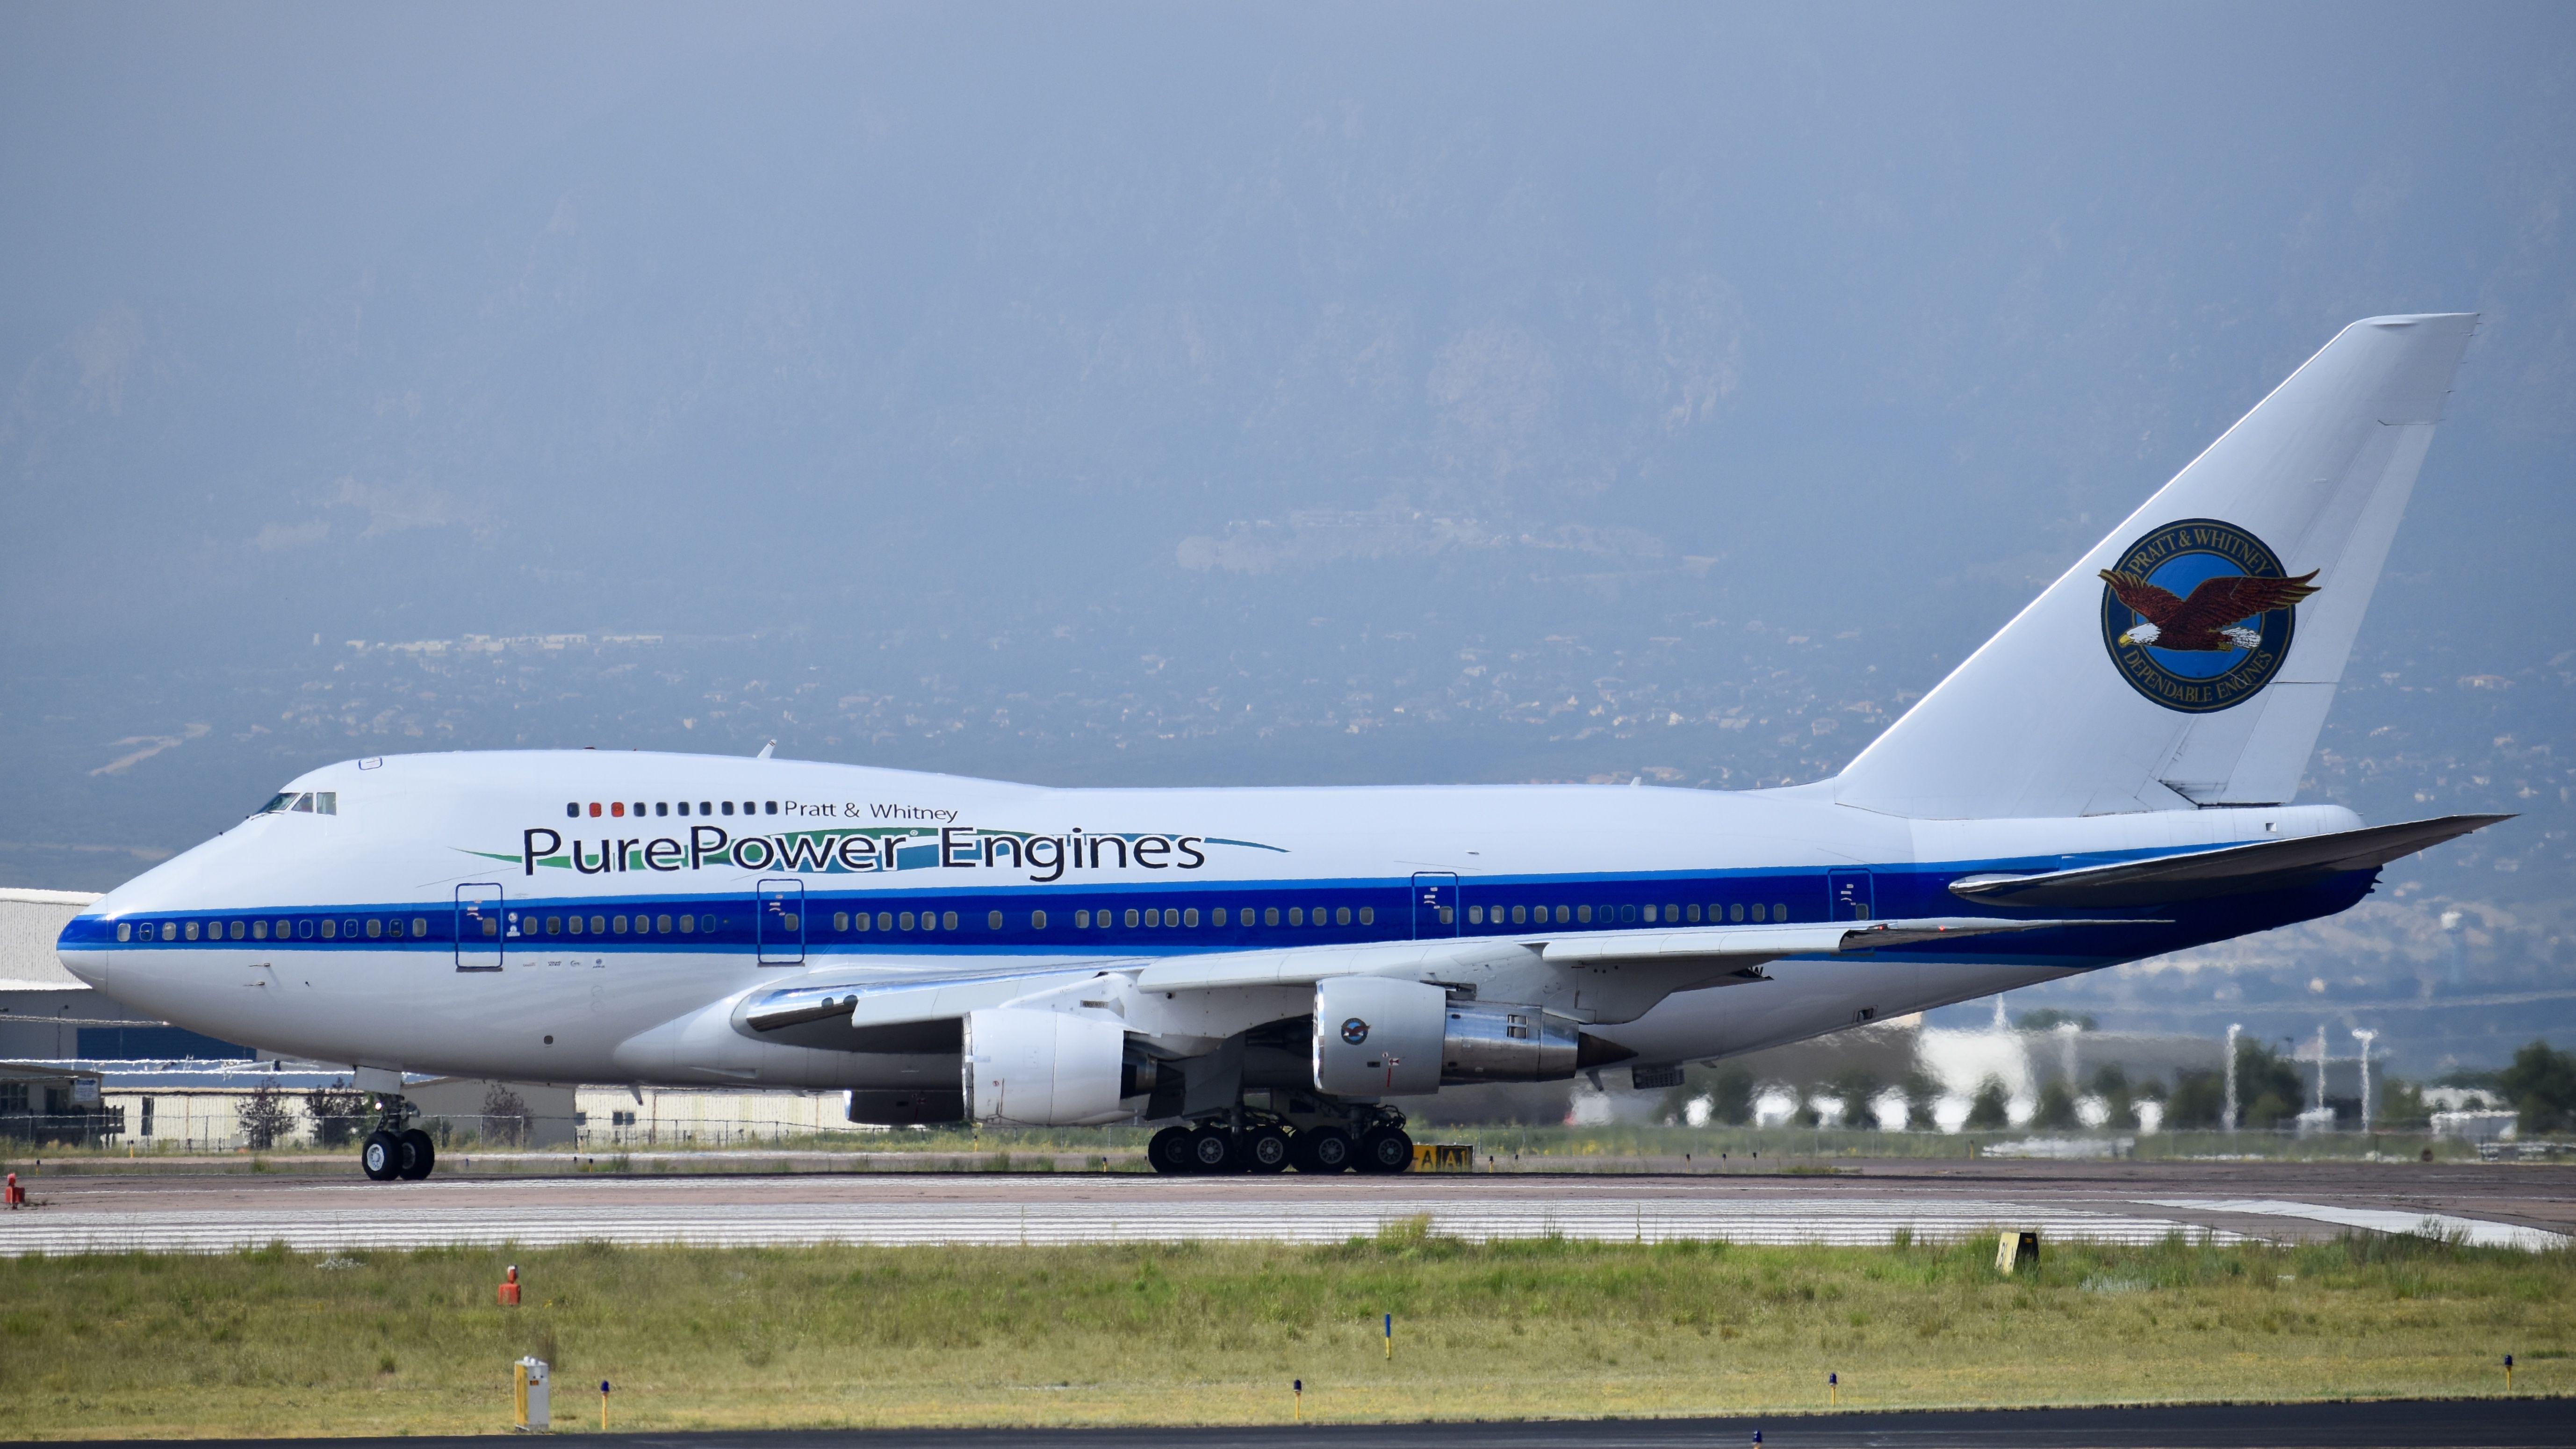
pixel 1386 1150
pixel 1169 1151
pixel 1212 1150
pixel 419 1155
pixel 1325 1149
pixel 381 1155
pixel 1267 1149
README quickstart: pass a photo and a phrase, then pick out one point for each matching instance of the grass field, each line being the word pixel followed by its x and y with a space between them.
pixel 275 1342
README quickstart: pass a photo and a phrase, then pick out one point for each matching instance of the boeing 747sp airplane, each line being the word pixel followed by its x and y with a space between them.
pixel 2110 777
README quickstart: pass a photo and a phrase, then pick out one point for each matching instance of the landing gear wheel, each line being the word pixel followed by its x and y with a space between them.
pixel 381 1155
pixel 419 1154
pixel 1266 1149
pixel 1386 1150
pixel 1324 1149
pixel 1169 1151
pixel 1212 1151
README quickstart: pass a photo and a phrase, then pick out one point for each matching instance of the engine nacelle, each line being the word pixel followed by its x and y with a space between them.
pixel 1379 1037
pixel 1044 1068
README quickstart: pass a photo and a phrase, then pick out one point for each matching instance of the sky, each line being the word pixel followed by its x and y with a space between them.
pixel 1141 393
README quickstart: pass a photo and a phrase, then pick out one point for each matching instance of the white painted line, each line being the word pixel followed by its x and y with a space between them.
pixel 1842 1221
pixel 2477 1232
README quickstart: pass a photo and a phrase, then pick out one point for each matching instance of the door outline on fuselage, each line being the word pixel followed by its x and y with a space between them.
pixel 778 922
pixel 478 927
pixel 1435 904
pixel 1849 895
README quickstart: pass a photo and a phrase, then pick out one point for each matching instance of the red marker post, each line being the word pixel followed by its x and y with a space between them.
pixel 509 1295
pixel 603 1406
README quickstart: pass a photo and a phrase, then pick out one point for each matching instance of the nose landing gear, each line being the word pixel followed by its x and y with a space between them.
pixel 397 1150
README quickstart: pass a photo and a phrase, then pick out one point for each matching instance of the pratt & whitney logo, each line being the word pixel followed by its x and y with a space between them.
pixel 2198 615
pixel 836 849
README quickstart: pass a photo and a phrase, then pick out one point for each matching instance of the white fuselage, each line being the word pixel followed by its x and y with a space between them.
pixel 622 928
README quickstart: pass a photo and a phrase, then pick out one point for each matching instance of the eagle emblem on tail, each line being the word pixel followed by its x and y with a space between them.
pixel 2213 618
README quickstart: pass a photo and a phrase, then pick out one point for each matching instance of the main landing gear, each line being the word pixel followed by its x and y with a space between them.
pixel 396 1149
pixel 1373 1141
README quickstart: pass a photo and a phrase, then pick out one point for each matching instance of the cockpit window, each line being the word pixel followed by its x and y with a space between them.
pixel 309 802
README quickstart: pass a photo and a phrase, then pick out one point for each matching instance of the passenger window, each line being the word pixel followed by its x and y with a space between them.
pixel 1562 913
pixel 662 924
pixel 1735 912
pixel 375 928
pixel 192 930
pixel 840 920
pixel 1475 915
pixel 773 808
pixel 1217 917
pixel 236 931
pixel 284 928
pixel 1037 920
pixel 1694 914
pixel 1296 915
pixel 617 924
pixel 1368 915
pixel 576 925
pixel 1627 915
pixel 1131 917
pixel 394 928
pixel 594 810
pixel 1583 914
pixel 885 921
pixel 572 811
pixel 1341 915
pixel 599 925
pixel 702 809
pixel 125 930
pixel 1650 914
pixel 617 808
pixel 688 924
pixel 1270 915
pixel 491 927
pixel 992 920
pixel 684 807
pixel 907 920
pixel 789 919
pixel 1082 920
pixel 554 925
pixel 728 807
pixel 1779 912
pixel 1190 917
pixel 330 930
pixel 947 920
pixel 661 807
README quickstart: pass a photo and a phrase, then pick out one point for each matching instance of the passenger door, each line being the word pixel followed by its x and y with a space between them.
pixel 779 922
pixel 1847 892
pixel 1435 904
pixel 478 927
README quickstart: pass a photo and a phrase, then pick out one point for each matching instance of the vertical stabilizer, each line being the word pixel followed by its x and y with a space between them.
pixel 2189 658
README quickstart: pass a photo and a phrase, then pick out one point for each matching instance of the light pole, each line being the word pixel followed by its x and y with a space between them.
pixel 2321 1066
pixel 2227 1118
pixel 2365 1036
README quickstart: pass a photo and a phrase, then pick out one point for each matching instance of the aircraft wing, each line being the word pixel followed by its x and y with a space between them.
pixel 2229 870
pixel 1623 974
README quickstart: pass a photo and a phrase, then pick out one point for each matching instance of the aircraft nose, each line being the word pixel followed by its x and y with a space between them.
pixel 89 965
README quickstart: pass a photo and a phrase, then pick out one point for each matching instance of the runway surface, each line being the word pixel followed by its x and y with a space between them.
pixel 2464 1424
pixel 2509 1206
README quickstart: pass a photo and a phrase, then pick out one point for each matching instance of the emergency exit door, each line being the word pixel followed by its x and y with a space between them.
pixel 478 928
pixel 1848 892
pixel 1435 904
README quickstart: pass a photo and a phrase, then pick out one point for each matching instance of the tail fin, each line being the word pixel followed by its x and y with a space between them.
pixel 2200 674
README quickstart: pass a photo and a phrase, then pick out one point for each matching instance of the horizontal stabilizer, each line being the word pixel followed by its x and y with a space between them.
pixel 2232 870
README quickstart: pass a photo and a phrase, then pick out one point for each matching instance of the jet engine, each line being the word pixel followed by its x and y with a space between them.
pixel 1378 1037
pixel 1047 1068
